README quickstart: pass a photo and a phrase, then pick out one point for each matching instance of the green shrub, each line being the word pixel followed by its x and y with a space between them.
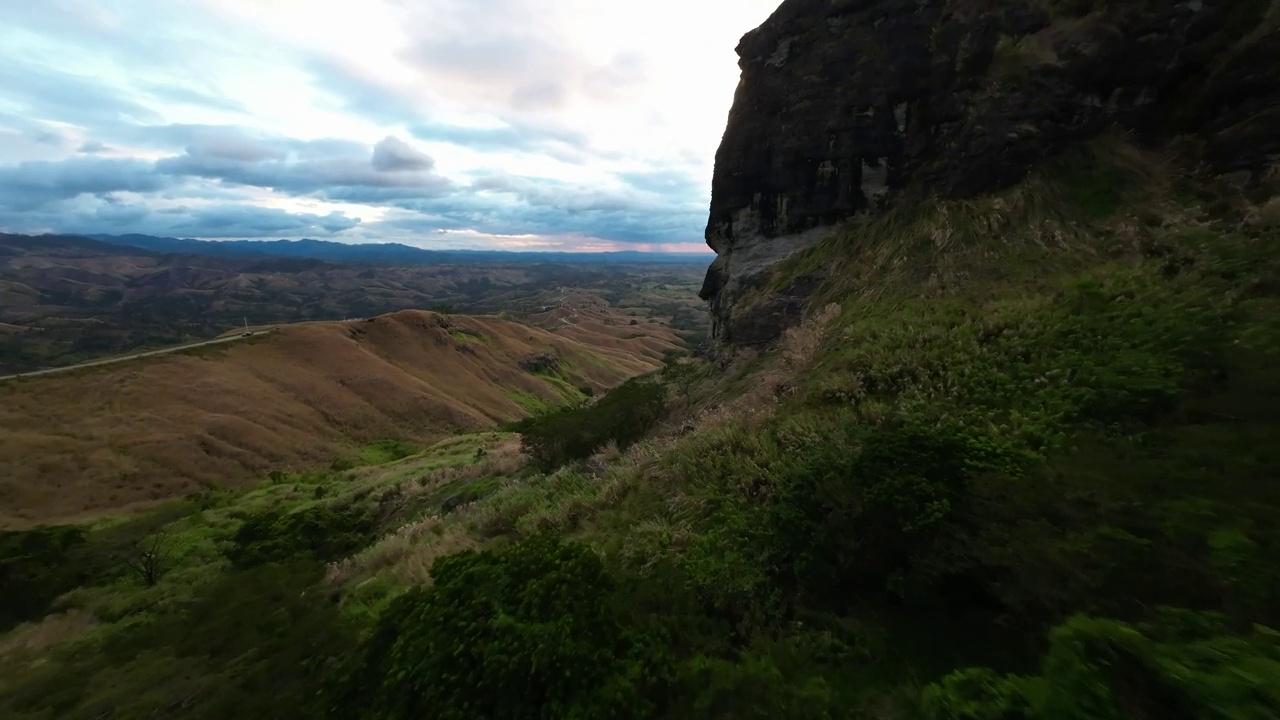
pixel 320 532
pixel 530 631
pixel 254 643
pixel 1181 665
pixel 622 416
pixel 754 686
pixel 852 520
pixel 976 694
pixel 36 566
pixel 343 465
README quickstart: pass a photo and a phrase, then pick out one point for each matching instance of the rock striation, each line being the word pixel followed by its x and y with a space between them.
pixel 843 104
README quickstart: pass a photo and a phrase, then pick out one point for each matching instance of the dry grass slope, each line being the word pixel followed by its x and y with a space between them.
pixel 104 439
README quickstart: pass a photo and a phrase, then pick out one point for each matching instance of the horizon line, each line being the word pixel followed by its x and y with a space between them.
pixel 91 236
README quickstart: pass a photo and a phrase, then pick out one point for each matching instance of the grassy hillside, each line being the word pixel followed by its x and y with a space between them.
pixel 1019 462
pixel 307 395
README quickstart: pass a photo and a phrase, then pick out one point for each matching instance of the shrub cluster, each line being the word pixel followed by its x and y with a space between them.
pixel 622 416
pixel 320 532
pixel 36 566
pixel 531 631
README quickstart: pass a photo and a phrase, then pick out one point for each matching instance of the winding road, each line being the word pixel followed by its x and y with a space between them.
pixel 135 356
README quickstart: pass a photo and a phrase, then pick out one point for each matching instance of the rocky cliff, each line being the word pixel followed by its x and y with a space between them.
pixel 843 104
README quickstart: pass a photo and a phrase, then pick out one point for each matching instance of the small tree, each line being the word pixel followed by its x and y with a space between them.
pixel 146 557
pixel 683 375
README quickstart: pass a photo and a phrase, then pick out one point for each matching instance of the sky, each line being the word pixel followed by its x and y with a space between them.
pixel 574 125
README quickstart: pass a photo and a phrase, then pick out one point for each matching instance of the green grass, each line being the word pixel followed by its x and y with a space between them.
pixel 386 451
pixel 206 637
pixel 530 403
pixel 470 338
pixel 1028 472
pixel 558 380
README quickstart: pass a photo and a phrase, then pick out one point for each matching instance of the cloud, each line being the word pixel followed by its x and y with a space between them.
pixel 233 145
pixel 30 185
pixel 324 168
pixel 486 118
pixel 173 94
pixel 608 82
pixel 496 59
pixel 48 137
pixel 512 205
pixel 679 186
pixel 509 54
pixel 543 193
pixel 230 220
pixel 352 90
pixel 47 94
pixel 233 221
pixel 561 144
pixel 329 169
pixel 392 154
pixel 635 206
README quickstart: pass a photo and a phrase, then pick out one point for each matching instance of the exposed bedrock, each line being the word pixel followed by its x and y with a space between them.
pixel 844 103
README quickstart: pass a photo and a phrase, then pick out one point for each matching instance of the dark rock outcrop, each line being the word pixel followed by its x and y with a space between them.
pixel 844 103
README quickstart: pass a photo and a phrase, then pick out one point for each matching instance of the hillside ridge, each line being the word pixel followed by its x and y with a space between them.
pixel 110 437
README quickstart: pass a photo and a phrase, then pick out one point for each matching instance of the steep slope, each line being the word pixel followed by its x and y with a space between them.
pixel 845 106
pixel 106 438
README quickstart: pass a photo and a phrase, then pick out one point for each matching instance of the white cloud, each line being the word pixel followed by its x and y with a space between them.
pixel 574 121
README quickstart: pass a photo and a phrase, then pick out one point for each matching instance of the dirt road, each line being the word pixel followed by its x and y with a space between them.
pixel 135 356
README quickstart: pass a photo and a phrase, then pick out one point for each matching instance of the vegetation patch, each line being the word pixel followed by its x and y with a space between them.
pixel 1186 665
pixel 470 336
pixel 527 632
pixel 622 416
pixel 529 402
pixel 386 451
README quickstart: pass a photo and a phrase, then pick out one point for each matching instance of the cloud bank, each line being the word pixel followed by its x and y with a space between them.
pixel 483 123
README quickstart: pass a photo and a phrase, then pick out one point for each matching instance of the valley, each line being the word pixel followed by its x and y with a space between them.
pixel 65 300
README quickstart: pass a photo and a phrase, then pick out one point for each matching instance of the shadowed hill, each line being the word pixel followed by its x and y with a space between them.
pixel 139 432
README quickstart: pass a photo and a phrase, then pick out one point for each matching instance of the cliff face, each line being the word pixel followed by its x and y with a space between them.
pixel 844 103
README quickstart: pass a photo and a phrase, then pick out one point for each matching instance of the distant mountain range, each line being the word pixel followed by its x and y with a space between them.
pixel 380 253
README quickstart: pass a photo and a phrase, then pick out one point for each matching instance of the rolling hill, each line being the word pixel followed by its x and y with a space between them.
pixel 132 434
pixel 74 299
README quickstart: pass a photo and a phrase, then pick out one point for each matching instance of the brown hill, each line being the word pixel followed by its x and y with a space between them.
pixel 86 441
